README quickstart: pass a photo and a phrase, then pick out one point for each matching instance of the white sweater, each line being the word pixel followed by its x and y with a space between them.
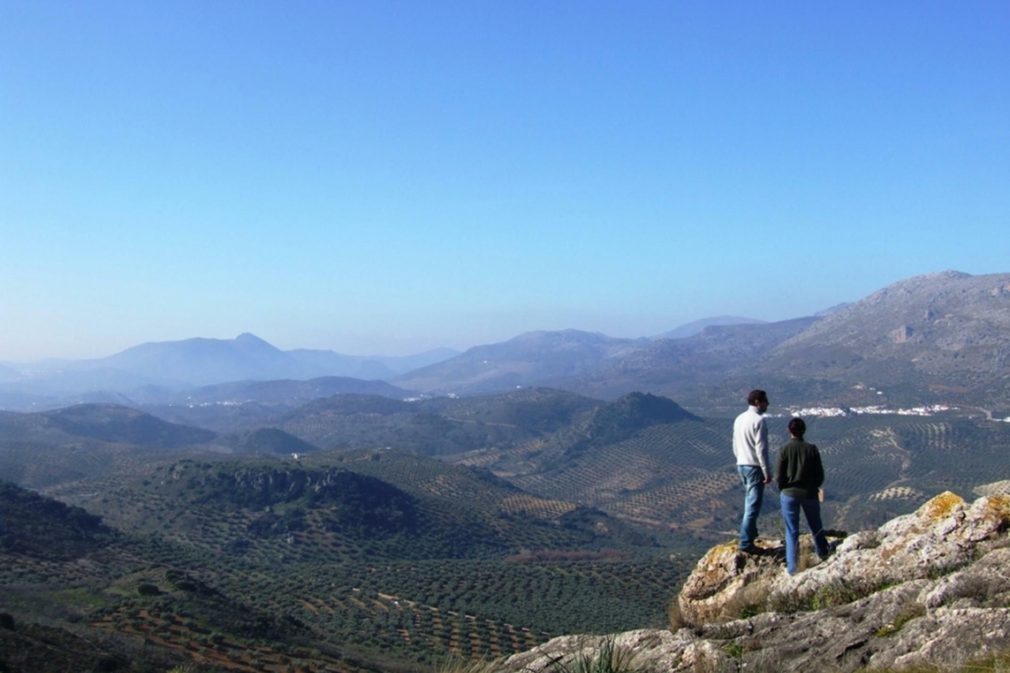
pixel 750 440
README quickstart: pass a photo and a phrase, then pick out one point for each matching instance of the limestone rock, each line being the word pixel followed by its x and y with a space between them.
pixel 647 649
pixel 942 535
pixel 726 581
pixel 927 588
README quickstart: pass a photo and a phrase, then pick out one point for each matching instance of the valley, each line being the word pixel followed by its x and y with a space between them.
pixel 473 507
pixel 475 527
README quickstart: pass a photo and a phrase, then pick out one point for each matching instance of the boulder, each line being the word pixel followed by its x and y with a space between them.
pixel 727 583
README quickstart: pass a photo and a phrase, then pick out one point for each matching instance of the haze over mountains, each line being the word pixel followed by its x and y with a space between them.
pixel 157 371
pixel 937 337
pixel 692 328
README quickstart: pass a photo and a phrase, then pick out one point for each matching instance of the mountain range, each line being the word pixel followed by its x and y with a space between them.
pixel 338 524
pixel 941 337
pixel 937 338
pixel 172 371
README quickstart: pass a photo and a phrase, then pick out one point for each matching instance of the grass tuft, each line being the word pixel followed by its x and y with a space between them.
pixel 609 658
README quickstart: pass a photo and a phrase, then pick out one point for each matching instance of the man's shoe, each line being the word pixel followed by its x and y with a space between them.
pixel 751 549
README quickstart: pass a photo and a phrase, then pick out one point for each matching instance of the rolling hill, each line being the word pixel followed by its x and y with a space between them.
pixel 441 426
pixel 79 595
pixel 45 448
pixel 531 359
pixel 284 392
pixel 370 560
pixel 538 512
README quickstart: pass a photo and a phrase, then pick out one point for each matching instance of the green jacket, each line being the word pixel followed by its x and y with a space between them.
pixel 799 472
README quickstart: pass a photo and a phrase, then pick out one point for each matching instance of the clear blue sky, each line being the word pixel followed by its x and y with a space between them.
pixel 382 177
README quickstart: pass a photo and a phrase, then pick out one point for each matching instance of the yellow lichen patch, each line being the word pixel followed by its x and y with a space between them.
pixel 999 506
pixel 716 556
pixel 710 575
pixel 723 548
pixel 941 506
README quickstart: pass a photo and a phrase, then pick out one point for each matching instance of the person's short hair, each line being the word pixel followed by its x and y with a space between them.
pixel 756 397
pixel 797 428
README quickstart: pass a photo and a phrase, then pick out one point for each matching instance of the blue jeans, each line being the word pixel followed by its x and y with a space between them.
pixel 791 518
pixel 753 480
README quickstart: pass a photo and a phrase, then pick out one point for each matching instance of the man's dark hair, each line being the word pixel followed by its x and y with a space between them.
pixel 797 428
pixel 756 397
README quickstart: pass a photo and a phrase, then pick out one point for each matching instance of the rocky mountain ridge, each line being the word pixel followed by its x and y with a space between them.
pixel 931 338
pixel 935 338
pixel 928 588
pixel 947 324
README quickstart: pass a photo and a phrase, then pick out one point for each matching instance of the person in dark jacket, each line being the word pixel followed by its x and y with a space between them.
pixel 799 477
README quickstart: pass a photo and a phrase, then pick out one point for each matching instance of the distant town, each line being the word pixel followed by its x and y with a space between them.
pixel 877 409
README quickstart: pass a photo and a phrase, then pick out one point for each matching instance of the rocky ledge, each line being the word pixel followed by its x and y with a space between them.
pixel 928 588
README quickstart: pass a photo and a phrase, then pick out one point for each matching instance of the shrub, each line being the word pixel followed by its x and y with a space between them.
pixel 148 589
pixel 749 611
pixel 734 650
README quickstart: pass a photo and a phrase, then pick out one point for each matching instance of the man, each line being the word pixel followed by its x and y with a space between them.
pixel 750 446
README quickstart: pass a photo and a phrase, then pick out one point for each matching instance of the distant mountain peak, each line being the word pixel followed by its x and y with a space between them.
pixel 949 274
pixel 248 341
pixel 697 326
pixel 115 423
pixel 563 335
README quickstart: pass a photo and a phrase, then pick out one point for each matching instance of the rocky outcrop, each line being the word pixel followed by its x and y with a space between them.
pixel 931 587
pixel 727 583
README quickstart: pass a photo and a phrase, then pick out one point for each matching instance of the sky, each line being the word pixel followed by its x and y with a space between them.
pixel 386 177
